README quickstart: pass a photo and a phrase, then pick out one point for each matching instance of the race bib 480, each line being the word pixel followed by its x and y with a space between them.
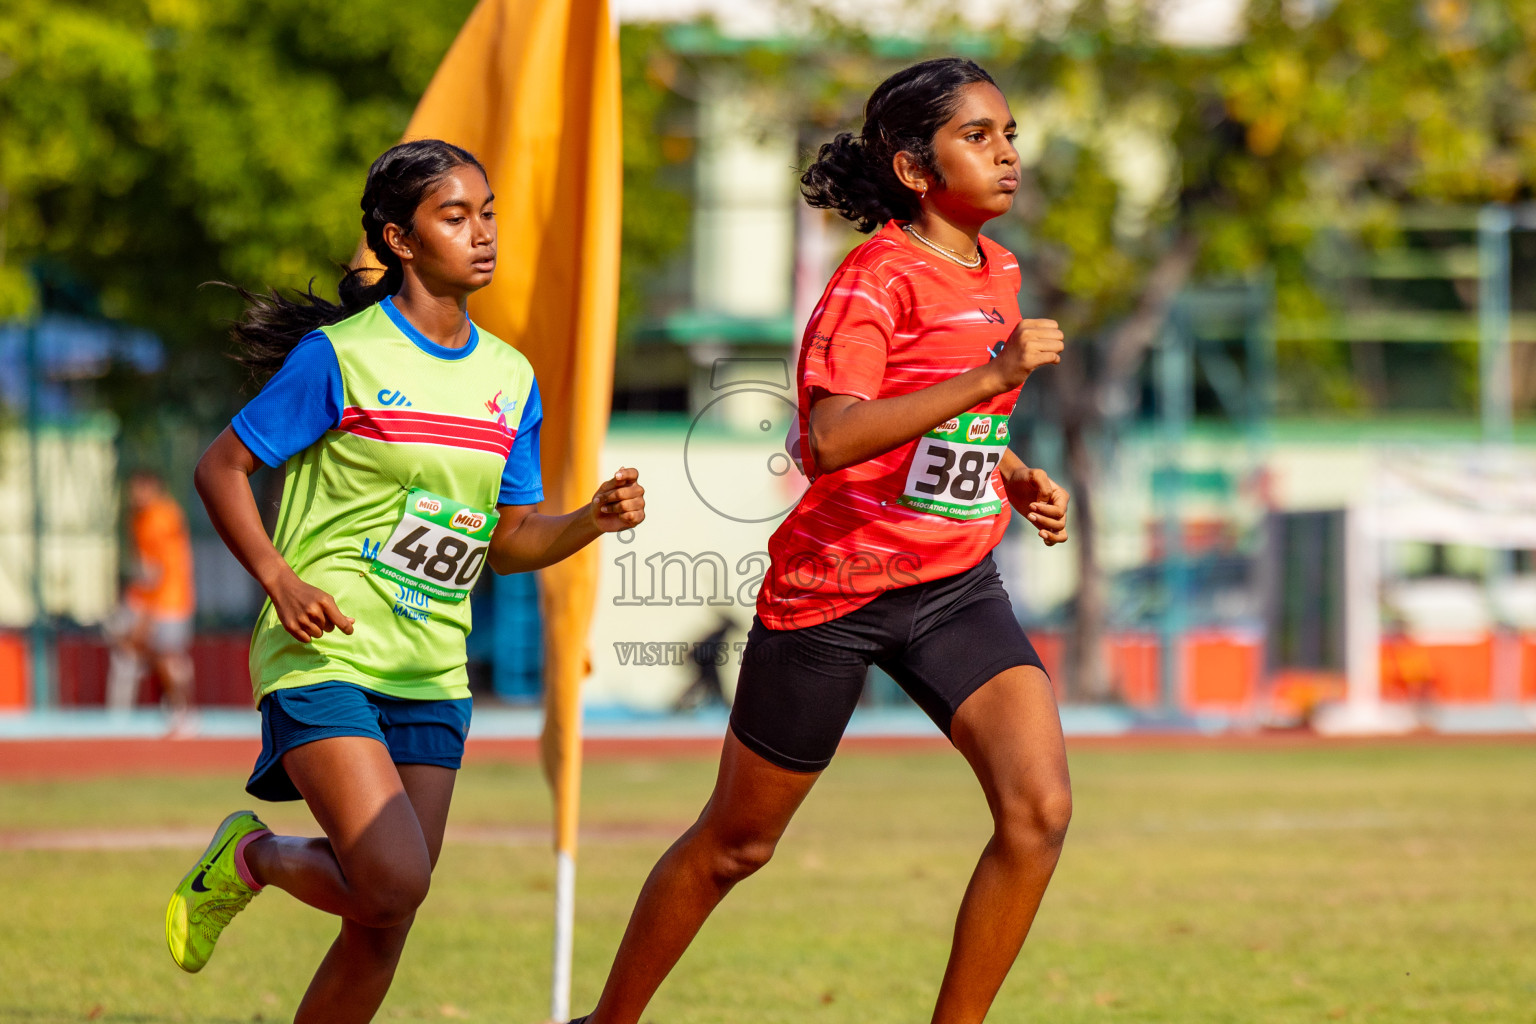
pixel 438 547
pixel 951 473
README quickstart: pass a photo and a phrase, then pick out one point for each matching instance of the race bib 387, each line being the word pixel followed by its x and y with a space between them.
pixel 951 472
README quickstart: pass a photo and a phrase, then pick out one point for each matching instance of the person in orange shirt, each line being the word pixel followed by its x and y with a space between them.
pixel 154 623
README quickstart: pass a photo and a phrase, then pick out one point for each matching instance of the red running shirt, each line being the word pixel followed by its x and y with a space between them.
pixel 893 320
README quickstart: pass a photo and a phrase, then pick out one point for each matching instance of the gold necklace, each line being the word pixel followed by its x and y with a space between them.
pixel 969 262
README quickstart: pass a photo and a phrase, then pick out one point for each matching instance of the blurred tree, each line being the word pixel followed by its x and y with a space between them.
pixel 153 145
pixel 658 145
pixel 1149 164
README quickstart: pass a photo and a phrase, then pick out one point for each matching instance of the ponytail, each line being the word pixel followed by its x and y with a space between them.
pixel 855 175
pixel 397 183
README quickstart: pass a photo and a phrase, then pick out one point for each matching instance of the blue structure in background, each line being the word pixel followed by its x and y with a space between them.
pixel 67 349
pixel 506 647
pixel 517 637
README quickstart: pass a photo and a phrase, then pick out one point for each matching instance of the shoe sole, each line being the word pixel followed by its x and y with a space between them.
pixel 197 865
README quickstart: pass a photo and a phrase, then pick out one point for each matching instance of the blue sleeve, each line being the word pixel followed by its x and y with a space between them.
pixel 297 406
pixel 522 482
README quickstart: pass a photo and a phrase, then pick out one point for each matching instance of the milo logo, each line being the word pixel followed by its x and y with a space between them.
pixel 978 429
pixel 467 520
pixel 428 505
pixel 949 425
pixel 1002 431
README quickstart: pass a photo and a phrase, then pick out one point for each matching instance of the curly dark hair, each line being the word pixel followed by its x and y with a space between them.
pixel 853 174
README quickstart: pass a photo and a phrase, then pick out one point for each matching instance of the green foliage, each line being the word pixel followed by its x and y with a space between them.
pixel 154 145
pixel 658 143
pixel 1313 131
pixel 1310 131
pixel 174 142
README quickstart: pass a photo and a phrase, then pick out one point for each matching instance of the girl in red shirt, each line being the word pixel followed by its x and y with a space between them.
pixel 909 369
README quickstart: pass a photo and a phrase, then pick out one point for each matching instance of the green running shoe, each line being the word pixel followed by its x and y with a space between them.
pixel 209 895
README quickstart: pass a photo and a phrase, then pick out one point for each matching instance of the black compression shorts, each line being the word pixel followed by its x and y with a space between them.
pixel 940 640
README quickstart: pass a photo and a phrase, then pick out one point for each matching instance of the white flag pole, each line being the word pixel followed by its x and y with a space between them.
pixel 565 924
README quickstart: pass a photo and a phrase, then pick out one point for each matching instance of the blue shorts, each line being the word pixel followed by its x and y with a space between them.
pixel 414 731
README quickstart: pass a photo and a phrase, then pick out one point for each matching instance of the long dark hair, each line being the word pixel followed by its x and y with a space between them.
pixel 853 173
pixel 397 182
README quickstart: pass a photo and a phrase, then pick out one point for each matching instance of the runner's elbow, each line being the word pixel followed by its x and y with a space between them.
pixel 200 477
pixel 830 465
pixel 227 454
pixel 828 434
pixel 830 455
pixel 204 475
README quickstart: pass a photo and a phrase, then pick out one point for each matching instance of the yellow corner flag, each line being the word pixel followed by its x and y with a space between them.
pixel 531 87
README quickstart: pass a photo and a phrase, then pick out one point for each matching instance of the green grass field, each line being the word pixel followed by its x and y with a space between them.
pixel 1382 883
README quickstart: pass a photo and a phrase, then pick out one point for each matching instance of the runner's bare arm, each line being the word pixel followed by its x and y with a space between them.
pixel 846 430
pixel 223 479
pixel 526 540
pixel 1037 497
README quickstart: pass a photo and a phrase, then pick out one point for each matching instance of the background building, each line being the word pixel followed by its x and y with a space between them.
pixel 1271 294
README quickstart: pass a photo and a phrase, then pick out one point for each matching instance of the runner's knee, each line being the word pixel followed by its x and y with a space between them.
pixel 391 895
pixel 1036 817
pixel 735 859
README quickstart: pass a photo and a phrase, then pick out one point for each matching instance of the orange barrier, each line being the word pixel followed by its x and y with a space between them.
pixel 1528 667
pixel 1135 666
pixel 1221 670
pixel 1456 672
pixel 1132 660
pixel 15 679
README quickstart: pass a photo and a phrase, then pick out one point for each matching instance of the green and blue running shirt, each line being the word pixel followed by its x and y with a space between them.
pixel 362 414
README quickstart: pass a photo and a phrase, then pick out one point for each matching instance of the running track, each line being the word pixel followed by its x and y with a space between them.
pixel 44 759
